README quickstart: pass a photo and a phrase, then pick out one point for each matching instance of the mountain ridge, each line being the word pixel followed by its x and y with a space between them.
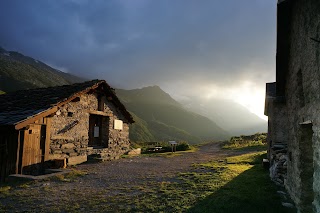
pixel 18 72
pixel 160 111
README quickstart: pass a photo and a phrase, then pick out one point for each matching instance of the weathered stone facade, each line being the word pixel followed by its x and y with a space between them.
pixel 73 142
pixel 277 135
pixel 298 84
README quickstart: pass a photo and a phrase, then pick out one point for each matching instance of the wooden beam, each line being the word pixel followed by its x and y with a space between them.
pixel 100 113
pixel 36 117
pixel 18 152
pixel 47 143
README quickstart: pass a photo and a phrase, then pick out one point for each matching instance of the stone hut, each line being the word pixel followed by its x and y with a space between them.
pixel 67 122
pixel 293 103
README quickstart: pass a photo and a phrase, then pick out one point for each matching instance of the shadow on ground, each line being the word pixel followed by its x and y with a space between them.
pixel 251 191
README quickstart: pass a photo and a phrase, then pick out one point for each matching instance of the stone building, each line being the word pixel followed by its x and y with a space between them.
pixel 293 103
pixel 66 122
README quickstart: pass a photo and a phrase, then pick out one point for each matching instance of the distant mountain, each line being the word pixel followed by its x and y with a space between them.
pixel 162 118
pixel 231 116
pixel 158 116
pixel 18 71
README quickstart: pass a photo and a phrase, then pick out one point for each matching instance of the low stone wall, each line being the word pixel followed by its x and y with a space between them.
pixel 278 166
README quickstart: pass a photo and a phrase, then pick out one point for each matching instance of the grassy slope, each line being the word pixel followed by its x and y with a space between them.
pixel 18 72
pixel 166 119
pixel 17 75
pixel 139 131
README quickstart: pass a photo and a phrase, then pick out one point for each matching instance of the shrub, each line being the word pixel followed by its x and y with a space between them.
pixel 183 146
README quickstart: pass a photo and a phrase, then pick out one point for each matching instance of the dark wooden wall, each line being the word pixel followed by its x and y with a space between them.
pixel 8 151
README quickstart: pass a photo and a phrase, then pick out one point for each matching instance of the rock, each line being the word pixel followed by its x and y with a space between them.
pixel 279 146
pixel 288 205
pixel 57 156
pixel 73 154
pixel 283 157
pixel 77 160
pixel 68 151
pixel 281 192
pixel 67 146
pixel 135 152
pixel 57 152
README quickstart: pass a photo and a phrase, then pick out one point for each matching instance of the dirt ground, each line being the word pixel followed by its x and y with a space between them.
pixel 141 167
pixel 104 181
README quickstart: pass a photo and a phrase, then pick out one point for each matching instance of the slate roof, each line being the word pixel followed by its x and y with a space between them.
pixel 20 105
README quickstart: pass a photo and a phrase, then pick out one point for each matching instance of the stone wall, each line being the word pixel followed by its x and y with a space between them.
pixel 70 131
pixel 303 105
pixel 277 141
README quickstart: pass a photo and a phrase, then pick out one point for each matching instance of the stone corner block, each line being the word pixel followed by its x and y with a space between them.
pixel 77 160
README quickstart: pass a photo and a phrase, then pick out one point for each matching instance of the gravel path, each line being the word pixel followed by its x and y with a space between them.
pixel 138 169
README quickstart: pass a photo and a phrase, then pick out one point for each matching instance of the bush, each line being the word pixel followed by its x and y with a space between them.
pixel 183 146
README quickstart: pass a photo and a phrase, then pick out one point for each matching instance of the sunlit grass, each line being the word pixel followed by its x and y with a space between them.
pixel 256 142
pixel 252 158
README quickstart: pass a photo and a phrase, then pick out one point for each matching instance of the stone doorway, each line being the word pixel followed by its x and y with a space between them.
pixel 306 167
pixel 95 129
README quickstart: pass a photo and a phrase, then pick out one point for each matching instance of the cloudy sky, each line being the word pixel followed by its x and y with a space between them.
pixel 208 48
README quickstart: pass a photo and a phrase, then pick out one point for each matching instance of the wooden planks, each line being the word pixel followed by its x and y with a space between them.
pixel 8 152
pixel 32 152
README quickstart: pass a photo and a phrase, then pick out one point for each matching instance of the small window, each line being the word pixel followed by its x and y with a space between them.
pixel 30 131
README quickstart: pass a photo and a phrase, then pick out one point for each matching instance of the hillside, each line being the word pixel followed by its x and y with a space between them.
pixel 231 116
pixel 165 118
pixel 18 71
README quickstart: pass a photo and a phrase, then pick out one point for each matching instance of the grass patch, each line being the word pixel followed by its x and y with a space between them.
pixel 5 190
pixel 71 176
pixel 256 142
pixel 252 158
pixel 243 186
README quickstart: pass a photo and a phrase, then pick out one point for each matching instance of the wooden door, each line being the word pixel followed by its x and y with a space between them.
pixel 95 128
pixel 33 148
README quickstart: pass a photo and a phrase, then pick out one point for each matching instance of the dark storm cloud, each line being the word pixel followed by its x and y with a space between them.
pixel 133 43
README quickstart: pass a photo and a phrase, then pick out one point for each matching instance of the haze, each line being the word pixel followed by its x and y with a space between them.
pixel 209 48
